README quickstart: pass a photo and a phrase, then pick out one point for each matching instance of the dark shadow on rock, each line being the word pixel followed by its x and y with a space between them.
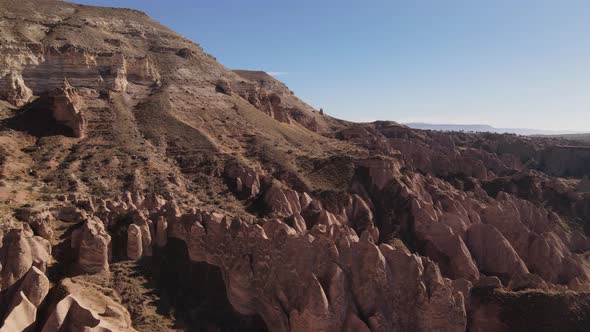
pixel 193 292
pixel 118 232
pixel 65 256
pixel 36 119
pixel 532 310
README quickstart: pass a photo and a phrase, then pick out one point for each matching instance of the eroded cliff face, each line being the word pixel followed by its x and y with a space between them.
pixel 274 98
pixel 99 71
pixel 127 154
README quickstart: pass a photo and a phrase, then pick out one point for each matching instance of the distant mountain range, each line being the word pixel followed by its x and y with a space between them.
pixel 487 128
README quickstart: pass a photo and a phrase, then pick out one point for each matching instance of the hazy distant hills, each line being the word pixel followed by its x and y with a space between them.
pixel 585 138
pixel 486 128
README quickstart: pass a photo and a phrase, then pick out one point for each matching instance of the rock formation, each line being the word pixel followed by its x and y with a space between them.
pixel 134 243
pixel 15 91
pixel 80 308
pixel 21 312
pixel 92 244
pixel 139 171
pixel 65 109
pixel 21 251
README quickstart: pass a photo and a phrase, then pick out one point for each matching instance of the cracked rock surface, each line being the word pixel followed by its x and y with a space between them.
pixel 146 187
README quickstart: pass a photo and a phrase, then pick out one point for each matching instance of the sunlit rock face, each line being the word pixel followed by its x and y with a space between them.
pixel 144 186
pixel 79 308
pixel 92 243
pixel 42 69
pixel 14 89
pixel 20 251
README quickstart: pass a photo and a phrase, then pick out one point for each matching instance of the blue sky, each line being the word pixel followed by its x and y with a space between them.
pixel 506 63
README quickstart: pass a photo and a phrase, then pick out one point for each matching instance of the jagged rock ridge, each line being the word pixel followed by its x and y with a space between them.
pixel 127 152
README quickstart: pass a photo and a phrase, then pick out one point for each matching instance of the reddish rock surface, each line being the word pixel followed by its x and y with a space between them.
pixel 144 186
pixel 92 244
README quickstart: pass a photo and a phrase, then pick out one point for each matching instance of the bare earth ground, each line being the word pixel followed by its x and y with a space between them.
pixel 251 210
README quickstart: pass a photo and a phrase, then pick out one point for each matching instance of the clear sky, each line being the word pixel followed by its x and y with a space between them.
pixel 507 63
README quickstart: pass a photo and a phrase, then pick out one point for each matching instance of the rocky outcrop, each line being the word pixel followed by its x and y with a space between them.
pixel 80 307
pixel 359 213
pixel 21 311
pixel 134 243
pixel 39 219
pixel 454 154
pixel 330 254
pixel 14 90
pixel 146 228
pixel 527 281
pixel 34 285
pixel 332 225
pixel 161 232
pixel 92 243
pixel 379 170
pixel 21 251
pixel 21 316
pixel 503 310
pixel 311 287
pixel 66 109
pixel 281 201
pixel 493 253
pixel 272 97
pixel 448 248
pixel 538 238
pixel 268 102
pixel 246 182
pixel 99 71
pixel 566 160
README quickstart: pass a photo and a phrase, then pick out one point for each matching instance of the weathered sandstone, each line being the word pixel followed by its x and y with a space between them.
pixel 92 243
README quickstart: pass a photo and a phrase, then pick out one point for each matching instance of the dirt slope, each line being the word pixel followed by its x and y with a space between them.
pixel 143 185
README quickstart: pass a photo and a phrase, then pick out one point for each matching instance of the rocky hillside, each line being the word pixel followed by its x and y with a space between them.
pixel 144 186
